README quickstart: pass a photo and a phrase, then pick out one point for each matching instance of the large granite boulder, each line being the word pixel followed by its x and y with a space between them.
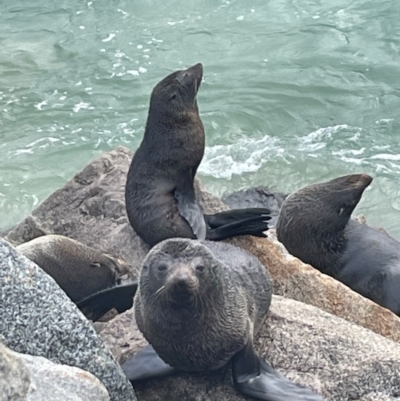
pixel 34 378
pixel 340 360
pixel 91 209
pixel 15 377
pixel 37 318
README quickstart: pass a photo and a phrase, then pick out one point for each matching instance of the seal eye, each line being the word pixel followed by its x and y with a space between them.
pixel 173 97
pixel 200 268
pixel 162 268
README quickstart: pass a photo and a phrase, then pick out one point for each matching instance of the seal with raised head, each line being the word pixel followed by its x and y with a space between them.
pixel 78 269
pixel 315 225
pixel 160 196
pixel 199 305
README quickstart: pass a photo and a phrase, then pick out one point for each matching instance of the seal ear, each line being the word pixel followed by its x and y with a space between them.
pixel 185 78
pixel 95 264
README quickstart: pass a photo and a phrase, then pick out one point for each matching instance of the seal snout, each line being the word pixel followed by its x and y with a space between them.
pixel 193 75
pixel 365 179
pixel 195 70
pixel 358 180
pixel 182 281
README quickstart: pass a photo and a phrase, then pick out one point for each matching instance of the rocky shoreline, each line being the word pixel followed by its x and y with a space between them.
pixel 319 332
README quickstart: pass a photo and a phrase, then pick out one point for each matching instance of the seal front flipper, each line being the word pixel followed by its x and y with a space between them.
pixel 146 364
pixel 190 211
pixel 119 297
pixel 253 376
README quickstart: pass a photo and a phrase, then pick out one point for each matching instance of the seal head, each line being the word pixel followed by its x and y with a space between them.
pixel 78 269
pixel 312 220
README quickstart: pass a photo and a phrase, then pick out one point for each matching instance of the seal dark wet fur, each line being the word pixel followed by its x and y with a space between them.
pixel 315 226
pixel 160 197
pixel 200 304
pixel 78 269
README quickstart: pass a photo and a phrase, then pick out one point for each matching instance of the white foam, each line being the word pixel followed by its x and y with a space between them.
pixel 110 37
pixel 385 156
pixel 246 155
pixel 40 105
pixel 79 106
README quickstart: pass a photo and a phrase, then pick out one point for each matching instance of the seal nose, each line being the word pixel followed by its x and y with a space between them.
pixel 183 281
pixel 193 73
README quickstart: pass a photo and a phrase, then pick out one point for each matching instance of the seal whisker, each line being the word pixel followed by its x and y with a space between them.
pixel 159 291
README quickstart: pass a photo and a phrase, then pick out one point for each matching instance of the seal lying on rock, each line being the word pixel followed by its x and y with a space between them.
pixel 200 304
pixel 78 269
pixel 160 197
pixel 315 226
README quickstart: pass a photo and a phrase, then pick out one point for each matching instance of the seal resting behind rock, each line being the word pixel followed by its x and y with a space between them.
pixel 200 304
pixel 315 226
pixel 78 269
pixel 160 197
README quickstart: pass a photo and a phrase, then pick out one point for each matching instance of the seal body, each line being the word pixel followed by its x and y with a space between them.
pixel 167 159
pixel 314 225
pixel 199 303
pixel 78 269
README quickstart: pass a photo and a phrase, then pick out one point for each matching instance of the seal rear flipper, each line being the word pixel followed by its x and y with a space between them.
pixel 98 304
pixel 146 364
pixel 252 226
pixel 236 215
pixel 253 376
pixel 190 211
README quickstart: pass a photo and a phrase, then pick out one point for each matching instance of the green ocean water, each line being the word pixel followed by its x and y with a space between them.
pixel 295 91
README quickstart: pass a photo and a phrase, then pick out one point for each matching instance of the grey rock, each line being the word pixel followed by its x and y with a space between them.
pixel 33 378
pixel 15 378
pixel 91 209
pixel 62 382
pixel 338 359
pixel 38 318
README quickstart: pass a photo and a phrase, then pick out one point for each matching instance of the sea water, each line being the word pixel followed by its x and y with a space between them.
pixel 294 91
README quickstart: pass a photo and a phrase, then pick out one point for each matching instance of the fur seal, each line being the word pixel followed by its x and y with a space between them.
pixel 315 226
pixel 200 304
pixel 160 197
pixel 78 269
